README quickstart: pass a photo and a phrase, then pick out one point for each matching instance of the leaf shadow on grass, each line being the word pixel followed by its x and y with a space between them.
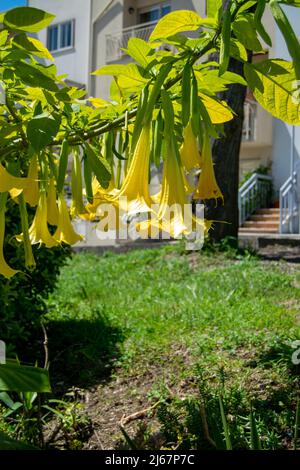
pixel 82 352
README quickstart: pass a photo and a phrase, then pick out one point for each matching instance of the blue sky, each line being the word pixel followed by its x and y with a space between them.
pixel 7 4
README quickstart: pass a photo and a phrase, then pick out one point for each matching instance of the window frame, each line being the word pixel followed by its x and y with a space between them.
pixel 156 6
pixel 59 32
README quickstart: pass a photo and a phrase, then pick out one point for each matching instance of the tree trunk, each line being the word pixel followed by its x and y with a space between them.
pixel 226 153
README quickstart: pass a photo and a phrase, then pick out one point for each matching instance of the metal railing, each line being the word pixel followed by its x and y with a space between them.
pixel 256 193
pixel 249 124
pixel 117 41
pixel 288 203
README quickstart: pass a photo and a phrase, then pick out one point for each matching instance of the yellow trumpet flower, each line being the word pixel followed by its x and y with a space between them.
pixel 207 186
pixel 12 183
pixel 134 196
pixel 39 232
pixel 189 152
pixel 174 214
pixel 52 210
pixel 5 270
pixel 65 232
pixel 31 193
pixel 100 196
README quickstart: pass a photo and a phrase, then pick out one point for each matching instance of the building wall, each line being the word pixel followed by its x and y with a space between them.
pixel 72 62
pixel 282 144
pixel 107 18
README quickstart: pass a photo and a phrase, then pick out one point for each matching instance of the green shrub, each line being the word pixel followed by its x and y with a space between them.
pixel 23 296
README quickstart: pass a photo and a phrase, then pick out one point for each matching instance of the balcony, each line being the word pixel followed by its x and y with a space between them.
pixel 116 41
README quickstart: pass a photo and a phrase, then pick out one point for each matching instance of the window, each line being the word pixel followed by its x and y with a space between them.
pixel 154 13
pixel 61 36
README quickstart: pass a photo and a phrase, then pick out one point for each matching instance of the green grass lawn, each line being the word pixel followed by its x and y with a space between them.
pixel 234 317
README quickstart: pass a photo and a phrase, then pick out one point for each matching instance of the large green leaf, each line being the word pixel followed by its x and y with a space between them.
pixel 128 76
pixel 99 166
pixel 213 7
pixel 140 51
pixel 288 33
pixel 35 76
pixel 178 22
pixel 274 85
pixel 27 19
pixel 245 31
pixel 41 130
pixel 32 45
pixel 19 378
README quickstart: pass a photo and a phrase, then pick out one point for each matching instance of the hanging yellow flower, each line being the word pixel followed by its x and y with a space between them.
pixel 207 186
pixel 52 210
pixel 31 193
pixel 5 270
pixel 133 196
pixel 189 152
pixel 65 232
pixel 39 232
pixel 174 214
pixel 9 182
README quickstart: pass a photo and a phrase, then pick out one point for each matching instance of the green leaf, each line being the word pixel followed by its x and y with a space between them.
pixel 140 51
pixel 288 33
pixel 35 76
pixel 168 111
pixel 244 29
pixel 186 95
pixel 218 111
pixel 99 166
pixel 238 50
pixel 63 165
pixel 27 19
pixel 128 70
pixel 19 378
pixel 32 45
pixel 225 426
pixel 87 174
pixel 254 437
pixel 179 21
pixel 260 9
pixel 225 41
pixel 41 130
pixel 273 83
pixel 3 37
pixel 213 7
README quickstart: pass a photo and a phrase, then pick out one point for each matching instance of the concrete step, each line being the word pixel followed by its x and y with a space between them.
pixel 268 211
pixel 257 231
pixel 260 224
pixel 265 217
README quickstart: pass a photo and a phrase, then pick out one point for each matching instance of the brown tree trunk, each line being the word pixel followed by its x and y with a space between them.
pixel 226 152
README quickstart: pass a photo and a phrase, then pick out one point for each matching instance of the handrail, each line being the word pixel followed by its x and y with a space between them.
pixel 130 28
pixel 254 194
pixel 117 41
pixel 288 205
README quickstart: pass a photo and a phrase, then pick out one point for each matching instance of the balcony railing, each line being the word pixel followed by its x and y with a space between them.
pixel 117 41
pixel 256 193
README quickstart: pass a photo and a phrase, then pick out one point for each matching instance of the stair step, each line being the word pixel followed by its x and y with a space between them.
pixel 268 210
pixel 257 230
pixel 261 224
pixel 265 217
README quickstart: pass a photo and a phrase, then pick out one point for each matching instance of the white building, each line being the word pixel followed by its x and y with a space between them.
pixel 87 34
